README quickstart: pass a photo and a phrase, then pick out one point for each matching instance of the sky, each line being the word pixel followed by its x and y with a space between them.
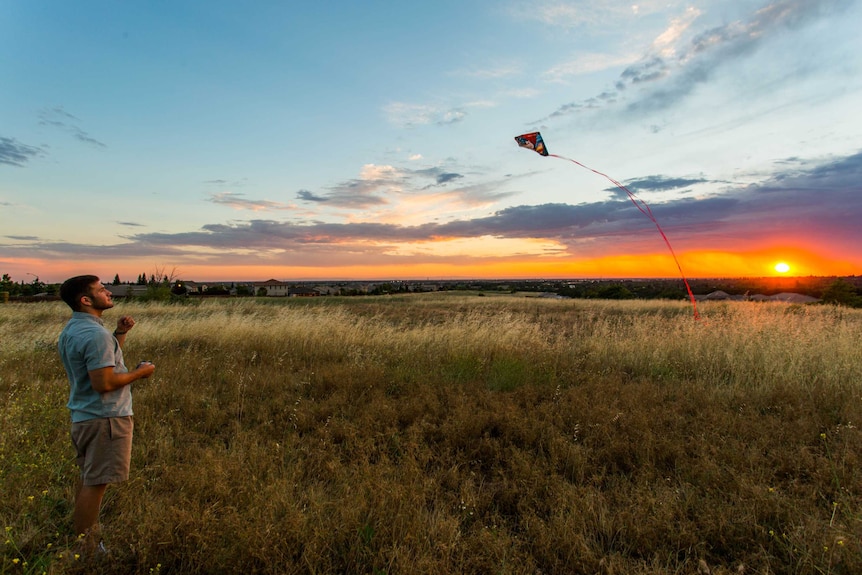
pixel 375 140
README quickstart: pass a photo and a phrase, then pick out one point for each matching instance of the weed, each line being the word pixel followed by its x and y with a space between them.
pixel 439 433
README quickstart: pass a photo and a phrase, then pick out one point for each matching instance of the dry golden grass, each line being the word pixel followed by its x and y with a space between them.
pixel 445 433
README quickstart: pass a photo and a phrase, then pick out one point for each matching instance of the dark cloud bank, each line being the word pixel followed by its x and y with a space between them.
pixel 804 201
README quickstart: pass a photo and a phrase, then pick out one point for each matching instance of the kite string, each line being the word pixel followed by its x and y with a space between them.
pixel 645 210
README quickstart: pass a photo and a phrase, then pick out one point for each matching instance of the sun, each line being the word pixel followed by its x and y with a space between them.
pixel 782 268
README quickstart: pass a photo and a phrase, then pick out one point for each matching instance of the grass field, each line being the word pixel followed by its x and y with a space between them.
pixel 442 433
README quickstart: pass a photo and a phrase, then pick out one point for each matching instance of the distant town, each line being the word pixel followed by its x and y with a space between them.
pixel 846 290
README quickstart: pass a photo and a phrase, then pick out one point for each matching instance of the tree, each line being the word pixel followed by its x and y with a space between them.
pixel 159 286
pixel 614 292
pixel 382 289
pixel 842 292
pixel 116 281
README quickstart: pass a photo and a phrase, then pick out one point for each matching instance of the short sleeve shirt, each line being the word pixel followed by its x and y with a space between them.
pixel 86 345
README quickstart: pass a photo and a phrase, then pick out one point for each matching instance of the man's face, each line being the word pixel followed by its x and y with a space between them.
pixel 100 297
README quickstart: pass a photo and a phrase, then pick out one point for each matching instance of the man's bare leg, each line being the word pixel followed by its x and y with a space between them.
pixel 85 518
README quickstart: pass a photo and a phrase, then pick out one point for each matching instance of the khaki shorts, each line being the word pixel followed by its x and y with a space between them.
pixel 104 449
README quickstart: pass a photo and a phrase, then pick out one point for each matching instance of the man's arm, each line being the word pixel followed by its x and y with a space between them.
pixel 104 380
pixel 124 326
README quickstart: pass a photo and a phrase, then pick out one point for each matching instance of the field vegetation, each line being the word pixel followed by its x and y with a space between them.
pixel 452 433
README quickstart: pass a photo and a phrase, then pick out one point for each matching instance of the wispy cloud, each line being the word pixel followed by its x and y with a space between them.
pixel 370 189
pixel 14 153
pixel 678 60
pixel 567 14
pixel 586 64
pixel 60 119
pixel 557 13
pixel 380 185
pixel 491 72
pixel 23 238
pixel 406 115
pixel 655 184
pixel 237 201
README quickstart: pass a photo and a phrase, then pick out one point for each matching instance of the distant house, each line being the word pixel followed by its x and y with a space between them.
pixel 303 292
pixel 793 298
pixel 786 297
pixel 195 287
pixel 126 290
pixel 326 290
pixel 718 295
pixel 274 288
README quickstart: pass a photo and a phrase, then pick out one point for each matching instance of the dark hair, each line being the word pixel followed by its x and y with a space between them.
pixel 74 288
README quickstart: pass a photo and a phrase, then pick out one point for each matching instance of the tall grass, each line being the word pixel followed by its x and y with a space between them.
pixel 446 433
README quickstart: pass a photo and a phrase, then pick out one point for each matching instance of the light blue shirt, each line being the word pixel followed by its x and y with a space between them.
pixel 86 345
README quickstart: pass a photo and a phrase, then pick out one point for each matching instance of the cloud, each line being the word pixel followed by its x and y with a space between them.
pixel 441 177
pixel 478 195
pixel 377 184
pixel 567 14
pixel 447 177
pixel 657 184
pixel 59 118
pixel 131 224
pixel 817 199
pixel 585 64
pixel 222 182
pixel 368 190
pixel 675 64
pixel 406 115
pixel 238 202
pixel 648 70
pixel 14 153
pixel 308 196
pixel 664 43
pixel 492 73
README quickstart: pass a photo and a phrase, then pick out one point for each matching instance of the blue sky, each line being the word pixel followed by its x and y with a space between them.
pixel 349 140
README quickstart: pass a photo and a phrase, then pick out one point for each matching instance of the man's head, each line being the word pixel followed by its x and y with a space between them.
pixel 86 293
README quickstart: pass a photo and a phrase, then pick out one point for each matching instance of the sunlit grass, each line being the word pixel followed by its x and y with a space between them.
pixel 445 433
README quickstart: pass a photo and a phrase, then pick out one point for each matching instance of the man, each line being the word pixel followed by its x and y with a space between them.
pixel 100 399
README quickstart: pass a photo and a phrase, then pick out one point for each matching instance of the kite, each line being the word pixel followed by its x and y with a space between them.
pixel 533 141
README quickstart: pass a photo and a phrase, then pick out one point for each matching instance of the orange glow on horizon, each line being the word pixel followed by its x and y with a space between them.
pixel 695 264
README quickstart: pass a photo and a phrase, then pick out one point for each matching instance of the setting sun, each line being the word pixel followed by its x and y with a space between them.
pixel 782 268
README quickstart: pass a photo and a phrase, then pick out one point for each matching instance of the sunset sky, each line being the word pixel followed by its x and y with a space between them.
pixel 375 140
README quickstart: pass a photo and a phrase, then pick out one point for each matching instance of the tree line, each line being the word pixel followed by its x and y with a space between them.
pixel 840 291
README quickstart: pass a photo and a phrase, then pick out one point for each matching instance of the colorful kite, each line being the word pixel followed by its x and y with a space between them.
pixel 533 141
